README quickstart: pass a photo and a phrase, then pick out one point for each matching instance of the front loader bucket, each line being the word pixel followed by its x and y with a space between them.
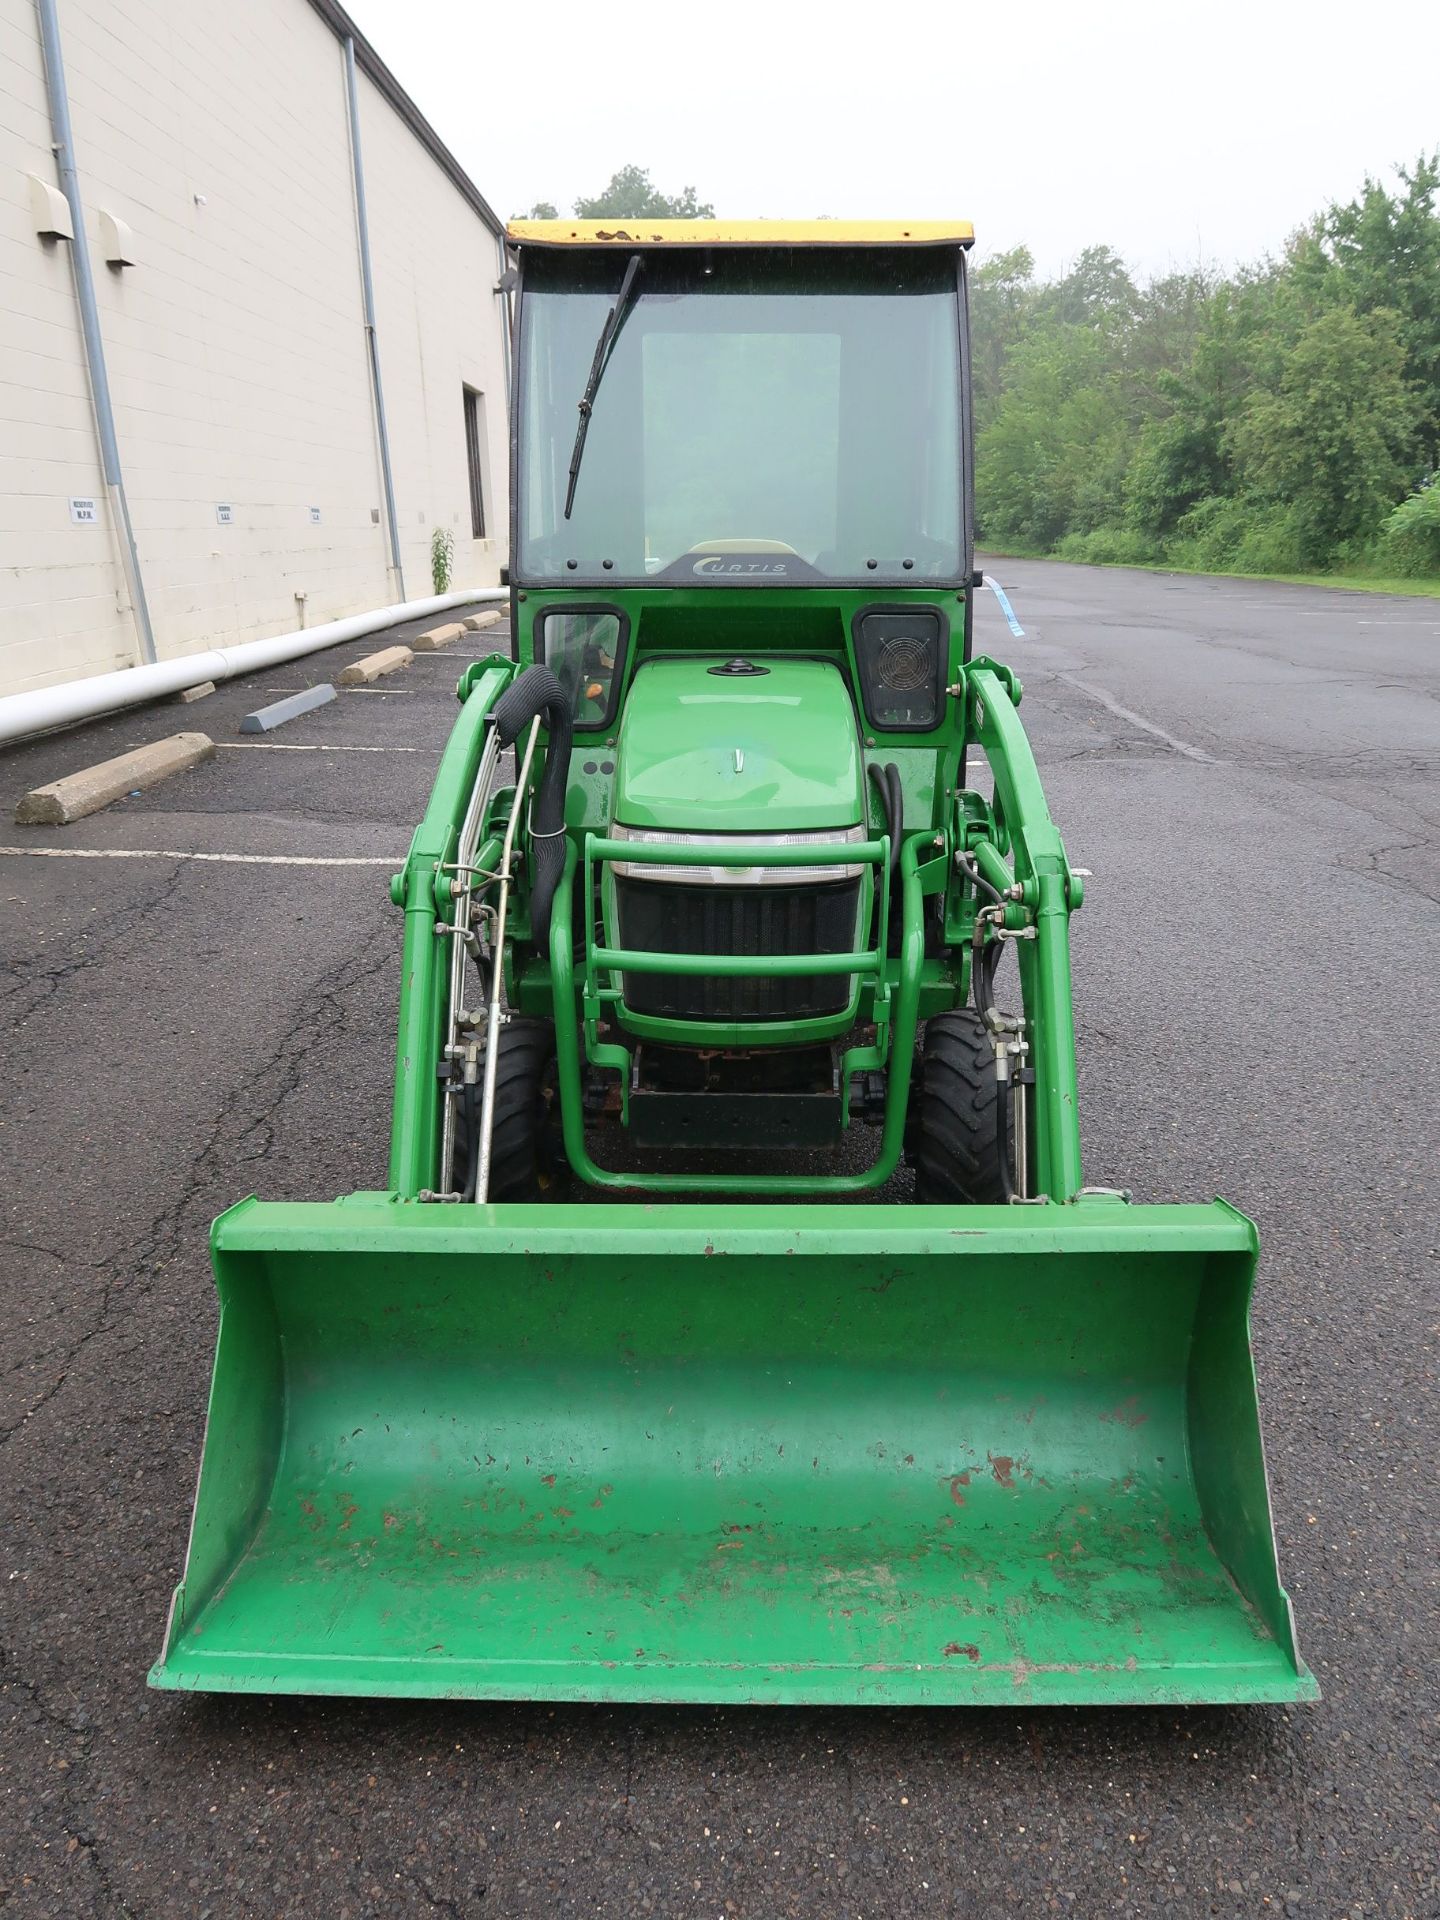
pixel 608 1453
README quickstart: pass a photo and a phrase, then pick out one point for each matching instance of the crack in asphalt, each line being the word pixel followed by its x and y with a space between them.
pixel 325 1012
pixel 1372 869
pixel 76 1789
pixel 320 1014
pixel 116 931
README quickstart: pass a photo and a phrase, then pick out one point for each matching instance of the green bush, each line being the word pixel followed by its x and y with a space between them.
pixel 1239 536
pixel 1410 538
pixel 1110 547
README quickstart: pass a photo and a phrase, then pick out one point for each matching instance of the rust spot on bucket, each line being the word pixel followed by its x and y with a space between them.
pixel 970 1651
pixel 957 1481
pixel 1003 1468
pixel 547 1479
pixel 1128 1413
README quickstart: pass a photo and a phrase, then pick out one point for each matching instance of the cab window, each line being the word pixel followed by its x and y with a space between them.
pixel 582 648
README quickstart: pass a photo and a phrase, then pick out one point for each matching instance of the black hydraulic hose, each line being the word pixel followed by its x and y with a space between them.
pixel 482 974
pixel 889 793
pixel 981 883
pixel 987 959
pixel 1002 1137
pixel 531 694
pixel 897 820
pixel 470 1100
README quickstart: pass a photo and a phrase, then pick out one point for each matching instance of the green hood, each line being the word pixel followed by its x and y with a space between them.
pixel 773 752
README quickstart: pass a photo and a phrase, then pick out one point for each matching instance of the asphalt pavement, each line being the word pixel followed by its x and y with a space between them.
pixel 1250 770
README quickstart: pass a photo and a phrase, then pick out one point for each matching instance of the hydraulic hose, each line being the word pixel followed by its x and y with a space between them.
pixel 1002 1137
pixel 889 792
pixel 986 960
pixel 983 970
pixel 537 692
pixel 897 813
pixel 471 1100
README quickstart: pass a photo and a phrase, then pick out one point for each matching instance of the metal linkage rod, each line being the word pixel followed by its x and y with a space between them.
pixel 497 947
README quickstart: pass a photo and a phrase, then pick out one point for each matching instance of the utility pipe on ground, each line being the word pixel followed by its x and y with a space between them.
pixel 47 707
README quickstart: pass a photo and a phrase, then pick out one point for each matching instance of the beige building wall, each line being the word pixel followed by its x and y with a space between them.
pixel 235 342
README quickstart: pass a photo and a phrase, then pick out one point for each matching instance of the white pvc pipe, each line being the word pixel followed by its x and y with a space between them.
pixel 46 707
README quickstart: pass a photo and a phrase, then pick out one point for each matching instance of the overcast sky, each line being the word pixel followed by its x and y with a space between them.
pixel 1208 131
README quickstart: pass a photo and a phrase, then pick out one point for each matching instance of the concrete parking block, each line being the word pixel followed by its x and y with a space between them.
pixel 77 794
pixel 438 637
pixel 477 622
pixel 360 672
pixel 201 691
pixel 279 711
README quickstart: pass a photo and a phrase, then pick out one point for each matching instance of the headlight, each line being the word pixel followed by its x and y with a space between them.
pixel 700 875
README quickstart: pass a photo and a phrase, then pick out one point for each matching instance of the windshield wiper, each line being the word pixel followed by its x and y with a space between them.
pixel 604 347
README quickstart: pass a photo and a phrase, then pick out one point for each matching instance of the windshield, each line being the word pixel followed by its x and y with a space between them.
pixel 787 415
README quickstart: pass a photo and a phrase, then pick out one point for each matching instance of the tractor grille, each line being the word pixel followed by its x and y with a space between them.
pixel 661 917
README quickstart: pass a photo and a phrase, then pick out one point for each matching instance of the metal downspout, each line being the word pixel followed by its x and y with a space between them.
pixel 63 141
pixel 362 223
pixel 503 288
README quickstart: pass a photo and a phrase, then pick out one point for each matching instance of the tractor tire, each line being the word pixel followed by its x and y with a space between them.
pixel 953 1142
pixel 527 1158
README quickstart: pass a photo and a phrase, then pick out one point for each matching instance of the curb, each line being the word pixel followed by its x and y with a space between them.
pixel 279 711
pixel 71 798
pixel 360 673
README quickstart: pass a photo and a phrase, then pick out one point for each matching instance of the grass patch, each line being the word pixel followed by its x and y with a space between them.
pixel 1422 588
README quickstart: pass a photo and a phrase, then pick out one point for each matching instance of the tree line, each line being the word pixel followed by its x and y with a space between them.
pixel 1281 419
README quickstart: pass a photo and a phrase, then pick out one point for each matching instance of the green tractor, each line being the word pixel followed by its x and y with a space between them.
pixel 718 946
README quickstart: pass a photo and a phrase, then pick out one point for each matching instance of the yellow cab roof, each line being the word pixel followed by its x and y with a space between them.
pixel 740 233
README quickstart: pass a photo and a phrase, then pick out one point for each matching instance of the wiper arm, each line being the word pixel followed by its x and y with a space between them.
pixel 604 347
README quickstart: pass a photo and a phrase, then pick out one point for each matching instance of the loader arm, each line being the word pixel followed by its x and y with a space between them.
pixel 1049 891
pixel 423 889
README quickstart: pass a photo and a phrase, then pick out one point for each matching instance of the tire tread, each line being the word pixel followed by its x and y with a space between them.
pixel 957 1158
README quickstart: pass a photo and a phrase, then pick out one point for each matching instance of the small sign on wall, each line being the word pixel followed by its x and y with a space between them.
pixel 85 513
pixel 314 516
pixel 224 514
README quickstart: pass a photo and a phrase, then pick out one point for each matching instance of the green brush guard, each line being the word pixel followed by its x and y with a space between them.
pixel 612 1453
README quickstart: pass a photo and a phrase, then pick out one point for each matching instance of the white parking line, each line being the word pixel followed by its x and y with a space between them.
pixel 390 860
pixel 1109 701
pixel 409 692
pixel 314 746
